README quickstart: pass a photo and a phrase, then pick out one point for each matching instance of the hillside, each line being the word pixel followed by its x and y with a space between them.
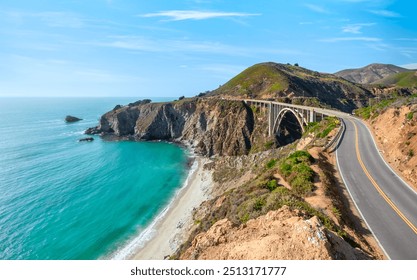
pixel 393 123
pixel 371 73
pixel 278 204
pixel 287 83
pixel 404 80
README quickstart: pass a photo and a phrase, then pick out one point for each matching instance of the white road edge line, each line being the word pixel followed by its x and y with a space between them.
pixel 376 147
pixel 360 212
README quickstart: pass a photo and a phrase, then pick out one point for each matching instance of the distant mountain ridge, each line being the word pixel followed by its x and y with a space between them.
pixel 370 74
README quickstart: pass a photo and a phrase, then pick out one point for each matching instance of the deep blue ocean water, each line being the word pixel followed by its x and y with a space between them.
pixel 64 199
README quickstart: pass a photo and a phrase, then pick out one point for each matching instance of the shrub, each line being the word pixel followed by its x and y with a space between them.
pixel 272 185
pixel 336 212
pixel 285 169
pixel 410 116
pixel 245 218
pixel 295 168
pixel 259 203
pixel 271 163
pixel 411 153
pixel 268 145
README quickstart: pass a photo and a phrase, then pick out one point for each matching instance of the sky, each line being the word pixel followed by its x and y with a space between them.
pixel 170 48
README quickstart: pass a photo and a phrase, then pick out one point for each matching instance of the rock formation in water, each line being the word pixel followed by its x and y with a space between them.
pixel 211 126
pixel 71 119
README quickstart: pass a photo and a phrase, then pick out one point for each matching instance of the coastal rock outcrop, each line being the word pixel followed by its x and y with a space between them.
pixel 71 119
pixel 210 126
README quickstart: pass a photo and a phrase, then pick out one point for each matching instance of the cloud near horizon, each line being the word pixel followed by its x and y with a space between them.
pixel 386 13
pixel 345 39
pixel 356 28
pixel 178 15
pixel 317 8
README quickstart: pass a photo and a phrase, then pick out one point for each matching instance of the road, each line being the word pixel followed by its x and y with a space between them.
pixel 387 204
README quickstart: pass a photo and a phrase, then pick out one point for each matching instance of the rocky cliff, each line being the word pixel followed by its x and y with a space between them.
pixel 280 234
pixel 215 125
pixel 396 134
pixel 210 126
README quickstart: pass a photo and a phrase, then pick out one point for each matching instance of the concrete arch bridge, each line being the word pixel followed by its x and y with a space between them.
pixel 278 110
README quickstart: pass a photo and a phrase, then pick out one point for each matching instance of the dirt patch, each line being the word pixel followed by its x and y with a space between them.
pixel 395 132
pixel 280 234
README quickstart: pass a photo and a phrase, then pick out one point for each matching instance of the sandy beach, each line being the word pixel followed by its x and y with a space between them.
pixel 171 230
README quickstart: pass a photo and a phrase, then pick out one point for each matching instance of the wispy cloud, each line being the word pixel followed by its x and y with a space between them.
pixel 361 1
pixel 407 39
pixel 346 39
pixel 412 66
pixel 386 13
pixel 178 15
pixel 408 52
pixel 224 70
pixel 143 44
pixel 356 28
pixel 379 46
pixel 51 19
pixel 317 8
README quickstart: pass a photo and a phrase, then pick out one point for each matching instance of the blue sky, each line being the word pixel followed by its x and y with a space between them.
pixel 171 48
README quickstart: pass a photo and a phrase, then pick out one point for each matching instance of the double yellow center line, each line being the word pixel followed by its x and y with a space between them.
pixel 377 187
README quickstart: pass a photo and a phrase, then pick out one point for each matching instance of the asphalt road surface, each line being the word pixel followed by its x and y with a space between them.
pixel 387 204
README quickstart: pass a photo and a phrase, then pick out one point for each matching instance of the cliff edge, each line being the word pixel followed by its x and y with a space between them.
pixel 209 126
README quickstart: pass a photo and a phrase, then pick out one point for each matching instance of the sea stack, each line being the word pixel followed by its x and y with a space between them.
pixel 71 119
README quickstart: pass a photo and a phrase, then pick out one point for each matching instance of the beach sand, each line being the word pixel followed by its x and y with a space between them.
pixel 172 230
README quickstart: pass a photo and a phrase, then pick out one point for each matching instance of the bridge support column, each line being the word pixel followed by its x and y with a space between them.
pixel 312 116
pixel 271 119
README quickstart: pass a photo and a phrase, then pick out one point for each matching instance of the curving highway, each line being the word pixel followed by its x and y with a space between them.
pixel 387 204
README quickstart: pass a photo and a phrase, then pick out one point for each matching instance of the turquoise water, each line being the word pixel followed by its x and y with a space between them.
pixel 64 199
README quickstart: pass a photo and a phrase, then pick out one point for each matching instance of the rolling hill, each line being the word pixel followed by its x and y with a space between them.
pixel 288 83
pixel 404 80
pixel 370 74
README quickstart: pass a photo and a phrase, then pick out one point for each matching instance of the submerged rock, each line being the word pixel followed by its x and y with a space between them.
pixel 87 139
pixel 70 119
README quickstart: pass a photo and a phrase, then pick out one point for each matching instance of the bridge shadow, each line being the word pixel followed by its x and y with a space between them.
pixel 289 130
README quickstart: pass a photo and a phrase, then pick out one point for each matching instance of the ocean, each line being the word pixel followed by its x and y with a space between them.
pixel 62 199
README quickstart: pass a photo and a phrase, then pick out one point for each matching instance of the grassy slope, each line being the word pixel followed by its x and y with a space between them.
pixel 263 78
pixel 405 79
pixel 287 83
pixel 265 192
pixel 377 108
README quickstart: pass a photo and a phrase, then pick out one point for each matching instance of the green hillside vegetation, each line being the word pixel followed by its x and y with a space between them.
pixel 294 84
pixel 257 80
pixel 405 79
pixel 373 111
pixel 266 192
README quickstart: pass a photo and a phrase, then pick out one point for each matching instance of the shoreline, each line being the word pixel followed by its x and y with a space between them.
pixel 170 228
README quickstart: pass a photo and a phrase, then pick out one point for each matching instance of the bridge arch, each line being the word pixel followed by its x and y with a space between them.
pixel 280 117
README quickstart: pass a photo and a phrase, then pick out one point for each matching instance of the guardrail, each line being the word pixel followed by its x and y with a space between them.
pixel 334 143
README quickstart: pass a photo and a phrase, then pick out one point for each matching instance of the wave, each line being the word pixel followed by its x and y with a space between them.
pixel 72 133
pixel 138 242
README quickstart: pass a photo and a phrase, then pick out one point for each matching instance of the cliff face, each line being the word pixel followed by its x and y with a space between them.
pixel 278 235
pixel 396 133
pixel 211 126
